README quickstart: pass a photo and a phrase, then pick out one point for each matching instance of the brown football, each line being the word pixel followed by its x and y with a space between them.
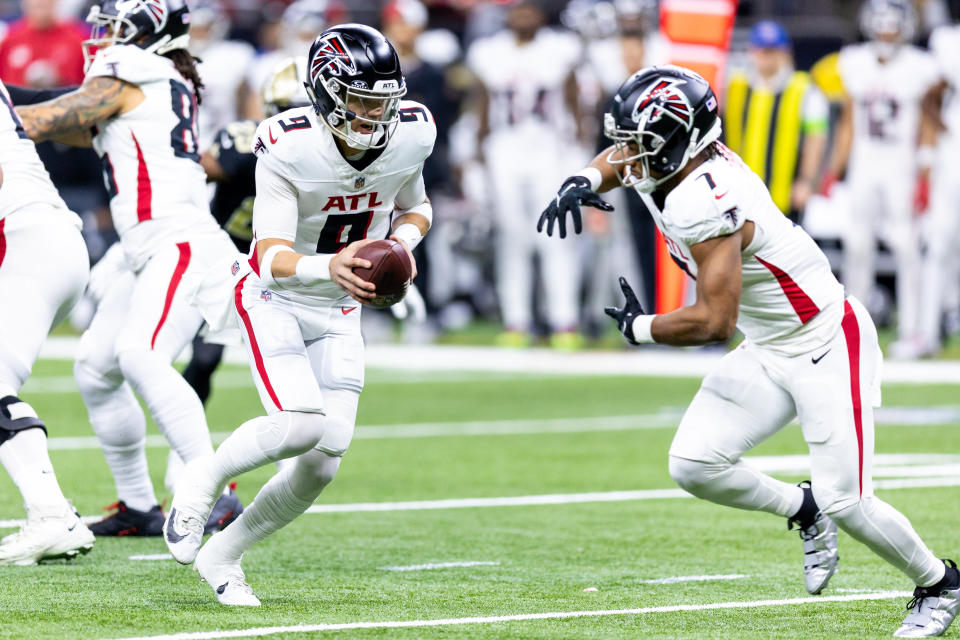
pixel 390 271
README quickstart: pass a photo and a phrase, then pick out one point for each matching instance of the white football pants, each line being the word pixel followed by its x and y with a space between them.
pixel 753 393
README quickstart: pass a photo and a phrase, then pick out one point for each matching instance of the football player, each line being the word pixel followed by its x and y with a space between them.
pixel 529 127
pixel 885 80
pixel 810 351
pixel 329 178
pixel 138 107
pixel 37 294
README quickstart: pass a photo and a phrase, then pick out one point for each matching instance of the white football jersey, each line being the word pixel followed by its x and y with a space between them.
pixel 607 60
pixel 886 98
pixel 308 193
pixel 790 302
pixel 150 155
pixel 223 68
pixel 945 47
pixel 525 83
pixel 26 182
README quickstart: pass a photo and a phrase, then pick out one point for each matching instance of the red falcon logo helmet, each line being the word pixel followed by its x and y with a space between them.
pixel 659 119
pixel 332 56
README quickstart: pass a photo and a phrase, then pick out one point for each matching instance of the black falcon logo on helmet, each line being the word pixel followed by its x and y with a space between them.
pixel 332 56
pixel 664 98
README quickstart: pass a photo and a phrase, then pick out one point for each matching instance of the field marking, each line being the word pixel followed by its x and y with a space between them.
pixel 152 556
pixel 548 499
pixel 678 579
pixel 441 565
pixel 523 617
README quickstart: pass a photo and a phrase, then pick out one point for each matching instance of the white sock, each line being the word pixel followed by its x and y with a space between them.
pixel 171 401
pixel 121 428
pixel 26 459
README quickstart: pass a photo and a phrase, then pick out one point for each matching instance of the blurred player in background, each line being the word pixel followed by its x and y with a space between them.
pixel 328 176
pixel 299 25
pixel 941 271
pixel 37 294
pixel 810 352
pixel 42 49
pixel 530 132
pixel 878 132
pixel 776 119
pixel 138 108
pixel 223 66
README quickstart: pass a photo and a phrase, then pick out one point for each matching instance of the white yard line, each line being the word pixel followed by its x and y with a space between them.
pixel 676 579
pixel 523 617
pixel 152 556
pixel 441 565
pixel 647 362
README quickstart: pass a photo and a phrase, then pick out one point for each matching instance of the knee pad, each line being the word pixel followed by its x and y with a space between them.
pixel 312 472
pixel 288 433
pixel 691 475
pixel 15 416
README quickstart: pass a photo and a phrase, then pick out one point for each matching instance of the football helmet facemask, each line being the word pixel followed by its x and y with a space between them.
pixel 157 26
pixel 660 118
pixel 353 76
pixel 284 88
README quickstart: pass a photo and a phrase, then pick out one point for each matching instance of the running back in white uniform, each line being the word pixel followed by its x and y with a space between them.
pixel 150 155
pixel 790 301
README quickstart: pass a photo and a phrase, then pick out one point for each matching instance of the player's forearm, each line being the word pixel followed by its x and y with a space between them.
pixel 814 146
pixel 608 174
pixel 843 142
pixel 75 112
pixel 693 326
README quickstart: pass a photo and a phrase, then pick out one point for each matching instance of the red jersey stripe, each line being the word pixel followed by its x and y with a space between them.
pixel 254 347
pixel 799 300
pixel 851 333
pixel 175 279
pixel 144 188
pixel 3 242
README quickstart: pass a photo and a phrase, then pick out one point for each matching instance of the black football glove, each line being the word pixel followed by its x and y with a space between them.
pixel 625 316
pixel 574 192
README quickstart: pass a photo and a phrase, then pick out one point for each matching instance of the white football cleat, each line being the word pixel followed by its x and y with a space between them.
pixel 49 534
pixel 189 510
pixel 931 611
pixel 820 555
pixel 227 579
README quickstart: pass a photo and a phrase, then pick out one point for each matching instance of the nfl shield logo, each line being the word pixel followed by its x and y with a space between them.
pixel 359 182
pixel 235 268
pixel 265 295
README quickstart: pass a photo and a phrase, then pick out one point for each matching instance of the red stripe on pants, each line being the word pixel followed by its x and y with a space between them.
pixel 851 332
pixel 3 241
pixel 144 188
pixel 182 264
pixel 254 347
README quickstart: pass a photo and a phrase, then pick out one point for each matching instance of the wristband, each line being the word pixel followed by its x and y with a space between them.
pixel 409 233
pixel 312 270
pixel 593 175
pixel 642 328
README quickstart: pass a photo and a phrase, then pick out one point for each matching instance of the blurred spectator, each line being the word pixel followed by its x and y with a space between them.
pixel 41 49
pixel 885 79
pixel 529 131
pixel 776 119
pixel 300 24
pixel 223 67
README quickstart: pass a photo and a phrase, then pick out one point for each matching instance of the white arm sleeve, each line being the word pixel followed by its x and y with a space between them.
pixel 275 211
pixel 412 192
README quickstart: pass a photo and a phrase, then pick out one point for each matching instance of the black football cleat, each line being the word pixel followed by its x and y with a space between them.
pixel 225 511
pixel 129 522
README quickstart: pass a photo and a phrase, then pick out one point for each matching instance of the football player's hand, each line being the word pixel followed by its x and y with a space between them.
pixel 921 193
pixel 413 262
pixel 341 272
pixel 826 183
pixel 626 315
pixel 574 192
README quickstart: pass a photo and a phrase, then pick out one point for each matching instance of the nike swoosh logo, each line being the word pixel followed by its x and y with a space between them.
pixel 717 197
pixel 173 536
pixel 822 356
pixel 73 527
pixel 346 311
pixel 222 588
pixel 272 139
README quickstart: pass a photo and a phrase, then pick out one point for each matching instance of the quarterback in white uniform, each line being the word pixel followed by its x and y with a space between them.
pixel 809 353
pixel 138 109
pixel 529 111
pixel 329 179
pixel 885 80
pixel 36 294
